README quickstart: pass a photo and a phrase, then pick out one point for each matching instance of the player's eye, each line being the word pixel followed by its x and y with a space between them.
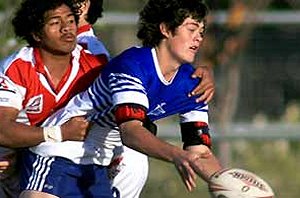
pixel 53 22
pixel 71 20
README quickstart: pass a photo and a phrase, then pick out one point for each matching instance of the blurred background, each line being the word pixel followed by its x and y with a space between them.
pixel 253 49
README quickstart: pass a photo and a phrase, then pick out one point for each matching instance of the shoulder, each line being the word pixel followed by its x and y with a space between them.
pixel 18 60
pixel 184 77
pixel 133 57
pixel 187 68
pixel 131 62
pixel 136 53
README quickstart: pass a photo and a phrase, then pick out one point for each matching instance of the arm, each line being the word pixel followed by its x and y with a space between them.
pixel 208 163
pixel 207 84
pixel 196 138
pixel 14 134
pixel 18 135
pixel 137 137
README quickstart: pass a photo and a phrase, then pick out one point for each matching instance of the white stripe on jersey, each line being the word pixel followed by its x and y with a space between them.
pixel 74 71
pixel 123 85
pixel 194 116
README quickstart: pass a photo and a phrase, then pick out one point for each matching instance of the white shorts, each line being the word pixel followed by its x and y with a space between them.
pixel 133 174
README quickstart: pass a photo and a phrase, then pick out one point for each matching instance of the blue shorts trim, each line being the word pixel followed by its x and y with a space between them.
pixel 63 178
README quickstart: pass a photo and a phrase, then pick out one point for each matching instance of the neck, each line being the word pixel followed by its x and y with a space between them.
pixel 82 22
pixel 167 62
pixel 54 59
pixel 57 65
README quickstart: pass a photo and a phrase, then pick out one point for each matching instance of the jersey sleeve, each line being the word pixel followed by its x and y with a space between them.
pixel 197 115
pixel 11 95
pixel 126 83
pixel 79 105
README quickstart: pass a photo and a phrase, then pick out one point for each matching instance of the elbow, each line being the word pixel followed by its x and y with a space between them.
pixel 126 135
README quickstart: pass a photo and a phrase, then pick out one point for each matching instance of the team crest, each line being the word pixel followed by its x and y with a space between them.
pixel 158 110
pixel 4 85
pixel 35 104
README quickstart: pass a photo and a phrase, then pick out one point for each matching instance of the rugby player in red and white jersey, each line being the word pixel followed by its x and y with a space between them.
pixel 40 78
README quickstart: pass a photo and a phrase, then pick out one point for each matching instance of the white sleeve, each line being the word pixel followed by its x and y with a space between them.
pixel 195 115
pixel 79 105
pixel 11 94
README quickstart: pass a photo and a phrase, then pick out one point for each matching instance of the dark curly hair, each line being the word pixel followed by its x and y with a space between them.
pixel 95 10
pixel 170 12
pixel 30 17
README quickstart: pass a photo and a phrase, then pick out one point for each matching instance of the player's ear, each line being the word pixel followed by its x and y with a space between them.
pixel 36 37
pixel 164 30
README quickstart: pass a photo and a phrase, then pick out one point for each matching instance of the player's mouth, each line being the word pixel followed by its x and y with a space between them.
pixel 194 48
pixel 68 37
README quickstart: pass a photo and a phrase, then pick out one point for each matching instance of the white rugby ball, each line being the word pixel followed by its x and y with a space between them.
pixel 238 183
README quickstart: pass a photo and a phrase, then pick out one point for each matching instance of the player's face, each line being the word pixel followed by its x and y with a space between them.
pixel 59 32
pixel 185 42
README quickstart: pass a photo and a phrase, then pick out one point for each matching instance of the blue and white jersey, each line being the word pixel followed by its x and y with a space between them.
pixel 135 77
pixel 132 77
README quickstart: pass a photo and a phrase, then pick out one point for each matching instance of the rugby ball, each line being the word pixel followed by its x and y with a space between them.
pixel 238 183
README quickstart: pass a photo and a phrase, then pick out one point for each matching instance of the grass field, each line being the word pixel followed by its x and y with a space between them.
pixel 278 162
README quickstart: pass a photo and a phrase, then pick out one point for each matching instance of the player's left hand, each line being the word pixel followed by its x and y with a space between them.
pixel 206 86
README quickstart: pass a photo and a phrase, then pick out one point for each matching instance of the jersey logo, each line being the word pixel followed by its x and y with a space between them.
pixel 158 110
pixel 4 85
pixel 35 104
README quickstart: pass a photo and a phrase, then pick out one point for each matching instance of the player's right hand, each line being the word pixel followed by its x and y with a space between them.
pixel 4 165
pixel 192 163
pixel 183 164
pixel 76 129
pixel 7 165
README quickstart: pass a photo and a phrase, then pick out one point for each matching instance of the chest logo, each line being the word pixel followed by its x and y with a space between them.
pixel 158 110
pixel 4 85
pixel 35 104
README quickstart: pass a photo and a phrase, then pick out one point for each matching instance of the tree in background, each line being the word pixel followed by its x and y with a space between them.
pixel 224 53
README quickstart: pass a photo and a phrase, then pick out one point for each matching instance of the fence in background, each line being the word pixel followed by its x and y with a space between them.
pixel 242 131
pixel 219 17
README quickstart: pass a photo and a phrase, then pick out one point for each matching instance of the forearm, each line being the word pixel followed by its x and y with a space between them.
pixel 209 164
pixel 139 138
pixel 18 135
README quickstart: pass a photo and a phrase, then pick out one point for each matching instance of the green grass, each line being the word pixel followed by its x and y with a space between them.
pixel 278 162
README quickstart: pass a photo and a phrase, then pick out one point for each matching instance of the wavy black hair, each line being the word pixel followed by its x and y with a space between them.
pixel 170 12
pixel 30 17
pixel 95 10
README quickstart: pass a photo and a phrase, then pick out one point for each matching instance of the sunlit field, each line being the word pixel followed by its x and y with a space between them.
pixel 275 161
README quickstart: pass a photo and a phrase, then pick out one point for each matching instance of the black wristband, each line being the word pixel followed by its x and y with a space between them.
pixel 195 133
